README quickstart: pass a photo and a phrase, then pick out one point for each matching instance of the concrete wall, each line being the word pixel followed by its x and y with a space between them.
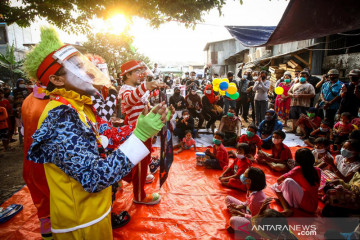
pixel 224 49
pixel 343 62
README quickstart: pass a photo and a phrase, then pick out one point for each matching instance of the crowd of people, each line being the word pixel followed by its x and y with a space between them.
pixel 324 113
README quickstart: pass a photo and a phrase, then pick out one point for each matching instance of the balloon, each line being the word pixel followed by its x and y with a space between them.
pixel 279 90
pixel 226 94
pixel 216 89
pixel 225 80
pixel 232 84
pixel 232 90
pixel 216 81
pixel 224 85
pixel 222 93
pixel 234 96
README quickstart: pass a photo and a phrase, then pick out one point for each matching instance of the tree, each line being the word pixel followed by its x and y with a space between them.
pixel 8 61
pixel 73 15
pixel 114 49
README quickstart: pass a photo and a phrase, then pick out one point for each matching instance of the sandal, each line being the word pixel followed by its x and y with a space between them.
pixel 119 220
pixel 9 212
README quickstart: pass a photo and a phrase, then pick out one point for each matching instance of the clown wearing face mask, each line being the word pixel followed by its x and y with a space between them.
pixel 67 140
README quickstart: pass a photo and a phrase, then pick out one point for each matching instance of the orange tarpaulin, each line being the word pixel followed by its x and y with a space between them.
pixel 192 206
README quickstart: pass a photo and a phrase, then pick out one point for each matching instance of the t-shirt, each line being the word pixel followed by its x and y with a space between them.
pixel 344 129
pixel 221 155
pixel 316 156
pixel 315 120
pixel 189 142
pixel 344 167
pixel 253 140
pixel 239 166
pixel 301 88
pixel 230 124
pixel 309 201
pixel 284 154
pixel 3 118
pixel 255 200
pixel 331 90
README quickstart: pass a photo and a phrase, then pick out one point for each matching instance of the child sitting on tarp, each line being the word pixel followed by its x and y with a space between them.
pixel 323 131
pixel 342 130
pixel 321 151
pixel 186 143
pixel 219 158
pixel 255 181
pixel 280 153
pixel 231 176
pixel 308 122
pixel 252 139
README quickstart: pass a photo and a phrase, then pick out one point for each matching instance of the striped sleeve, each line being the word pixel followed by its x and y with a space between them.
pixel 132 97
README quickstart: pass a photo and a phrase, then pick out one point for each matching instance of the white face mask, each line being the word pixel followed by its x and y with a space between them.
pixel 320 150
pixel 255 78
pixel 208 91
pixel 22 86
pixel 240 156
pixel 276 141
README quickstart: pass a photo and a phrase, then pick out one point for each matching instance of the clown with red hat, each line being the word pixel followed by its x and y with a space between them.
pixel 67 139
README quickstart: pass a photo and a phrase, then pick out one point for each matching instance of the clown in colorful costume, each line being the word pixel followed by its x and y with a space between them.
pixel 134 98
pixel 66 143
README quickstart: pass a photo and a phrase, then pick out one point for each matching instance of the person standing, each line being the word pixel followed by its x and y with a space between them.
pixel 244 100
pixel 261 88
pixel 330 95
pixel 179 104
pixel 282 102
pixel 350 95
pixel 228 102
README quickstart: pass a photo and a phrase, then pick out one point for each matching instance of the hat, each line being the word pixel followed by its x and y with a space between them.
pixel 354 72
pixel 305 72
pixel 312 110
pixel 130 66
pixel 333 72
pixel 287 73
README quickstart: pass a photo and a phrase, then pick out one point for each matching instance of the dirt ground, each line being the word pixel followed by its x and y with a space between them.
pixel 11 166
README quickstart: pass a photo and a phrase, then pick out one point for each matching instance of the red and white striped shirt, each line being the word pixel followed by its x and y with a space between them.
pixel 133 101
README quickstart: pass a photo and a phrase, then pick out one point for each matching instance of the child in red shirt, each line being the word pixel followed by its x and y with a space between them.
pixel 342 130
pixel 231 176
pixel 187 142
pixel 299 187
pixel 4 129
pixel 219 158
pixel 252 139
pixel 281 153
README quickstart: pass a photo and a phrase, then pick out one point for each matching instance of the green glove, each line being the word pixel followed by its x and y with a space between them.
pixel 148 126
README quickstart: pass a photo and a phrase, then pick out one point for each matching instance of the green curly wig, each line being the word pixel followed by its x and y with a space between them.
pixel 49 42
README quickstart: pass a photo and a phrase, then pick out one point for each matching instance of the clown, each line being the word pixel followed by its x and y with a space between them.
pixel 67 140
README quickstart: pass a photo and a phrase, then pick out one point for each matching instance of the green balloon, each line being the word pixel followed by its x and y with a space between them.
pixel 234 96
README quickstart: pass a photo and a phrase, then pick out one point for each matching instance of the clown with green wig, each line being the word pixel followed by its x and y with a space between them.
pixel 67 141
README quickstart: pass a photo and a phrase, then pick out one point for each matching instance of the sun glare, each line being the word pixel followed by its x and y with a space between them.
pixel 114 25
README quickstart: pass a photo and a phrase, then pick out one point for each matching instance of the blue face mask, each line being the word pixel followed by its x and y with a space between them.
pixel 324 129
pixel 302 80
pixel 346 153
pixel 216 141
pixel 243 179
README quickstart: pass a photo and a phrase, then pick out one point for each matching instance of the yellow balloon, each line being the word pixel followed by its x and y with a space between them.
pixel 216 82
pixel 231 90
pixel 225 79
pixel 279 90
pixel 222 93
pixel 232 84
pixel 216 89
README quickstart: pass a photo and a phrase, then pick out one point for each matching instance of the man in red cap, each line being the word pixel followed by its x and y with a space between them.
pixel 134 97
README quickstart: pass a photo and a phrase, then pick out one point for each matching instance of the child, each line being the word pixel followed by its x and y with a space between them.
pixel 323 131
pixel 231 176
pixel 252 139
pixel 4 129
pixel 219 158
pixel 187 142
pixel 277 161
pixel 346 164
pixel 342 130
pixel 321 151
pixel 309 122
pixel 255 181
pixel 299 187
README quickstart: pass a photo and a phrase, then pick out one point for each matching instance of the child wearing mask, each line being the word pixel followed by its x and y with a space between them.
pixel 309 122
pixel 299 187
pixel 252 139
pixel 280 153
pixel 255 181
pixel 346 164
pixel 342 130
pixel 231 176
pixel 323 131
pixel 186 143
pixel 267 127
pixel 219 158
pixel 321 151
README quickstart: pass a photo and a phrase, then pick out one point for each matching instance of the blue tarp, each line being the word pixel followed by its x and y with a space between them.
pixel 251 35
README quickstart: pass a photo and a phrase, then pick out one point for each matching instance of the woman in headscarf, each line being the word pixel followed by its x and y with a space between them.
pixel 178 102
pixel 210 110
pixel 267 127
pixel 193 104
pixel 282 101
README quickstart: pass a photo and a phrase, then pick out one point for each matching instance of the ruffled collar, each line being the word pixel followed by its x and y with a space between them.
pixel 71 95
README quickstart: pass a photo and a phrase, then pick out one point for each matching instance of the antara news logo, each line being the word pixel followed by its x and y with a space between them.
pixel 299 229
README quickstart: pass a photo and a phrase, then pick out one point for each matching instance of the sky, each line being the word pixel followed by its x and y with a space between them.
pixel 173 44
